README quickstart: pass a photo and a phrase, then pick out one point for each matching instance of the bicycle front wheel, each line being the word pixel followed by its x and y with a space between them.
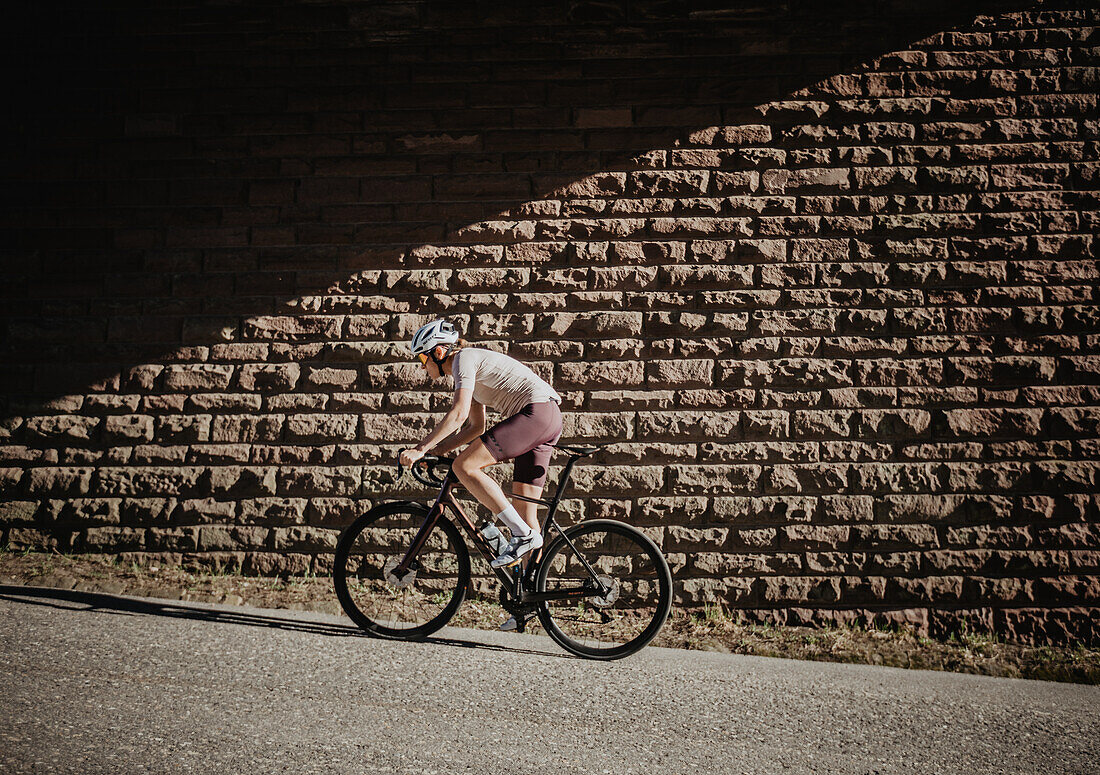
pixel 404 606
pixel 630 585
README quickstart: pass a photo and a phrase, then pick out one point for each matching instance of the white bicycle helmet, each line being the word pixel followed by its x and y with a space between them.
pixel 428 336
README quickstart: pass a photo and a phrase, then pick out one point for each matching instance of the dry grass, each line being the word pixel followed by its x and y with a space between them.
pixel 968 652
pixel 712 629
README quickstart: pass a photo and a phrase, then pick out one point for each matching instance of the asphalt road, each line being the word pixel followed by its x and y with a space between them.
pixel 101 683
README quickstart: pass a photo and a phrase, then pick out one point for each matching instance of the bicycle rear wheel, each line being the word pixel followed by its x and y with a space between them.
pixel 415 604
pixel 636 584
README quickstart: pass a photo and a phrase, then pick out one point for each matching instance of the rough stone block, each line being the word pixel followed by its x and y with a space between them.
pixel 323 428
pixel 679 539
pixel 238 481
pixel 631 399
pixel 689 426
pixel 304 539
pixel 743 564
pixel 111 539
pixel 985 423
pixel 799 589
pixel 276 377
pixel 639 481
pixel 597 426
pixel 770 424
pixel 894 373
pixel 273 511
pixel 86 510
pixel 127 429
pixel 247 428
pixel 293 328
pixel 1075 421
pixel 689 479
pixel 53 481
pixel 722 591
pixel 719 276
pixel 681 183
pixel 147 480
pixel 938 589
pixel 893 424
pixel 805 181
pixel 678 510
pixel 65 429
pixel 767 510
pixel 833 424
pixel 318 481
pixel 397 376
pixel 693 373
pixel 182 428
pixel 396 428
pixel 18 511
pixel 824 478
pixel 175 539
pixel 609 374
pixel 197 377
pixel 225 538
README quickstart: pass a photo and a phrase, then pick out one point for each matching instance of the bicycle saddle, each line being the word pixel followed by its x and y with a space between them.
pixel 581 451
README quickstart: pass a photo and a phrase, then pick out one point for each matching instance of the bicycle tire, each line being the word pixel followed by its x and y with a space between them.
pixel 366 594
pixel 642 589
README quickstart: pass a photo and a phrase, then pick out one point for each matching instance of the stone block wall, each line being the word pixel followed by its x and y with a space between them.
pixel 825 273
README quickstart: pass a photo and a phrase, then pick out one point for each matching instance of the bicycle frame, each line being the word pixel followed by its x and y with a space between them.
pixel 518 582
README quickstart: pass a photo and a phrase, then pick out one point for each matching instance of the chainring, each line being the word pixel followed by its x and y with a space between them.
pixel 514 607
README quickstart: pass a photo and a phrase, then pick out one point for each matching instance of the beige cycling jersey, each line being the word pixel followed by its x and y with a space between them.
pixel 498 381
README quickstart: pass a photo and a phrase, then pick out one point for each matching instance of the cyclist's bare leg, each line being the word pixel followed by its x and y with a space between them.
pixel 468 468
pixel 528 511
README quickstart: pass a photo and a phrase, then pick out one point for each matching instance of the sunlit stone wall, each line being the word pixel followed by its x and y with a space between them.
pixel 826 277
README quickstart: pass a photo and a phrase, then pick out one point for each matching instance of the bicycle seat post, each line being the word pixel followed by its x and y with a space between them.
pixel 563 482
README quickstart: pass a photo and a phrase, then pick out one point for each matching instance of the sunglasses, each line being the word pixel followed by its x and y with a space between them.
pixel 423 357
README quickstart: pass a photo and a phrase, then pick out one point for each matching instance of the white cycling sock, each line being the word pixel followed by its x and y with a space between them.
pixel 514 521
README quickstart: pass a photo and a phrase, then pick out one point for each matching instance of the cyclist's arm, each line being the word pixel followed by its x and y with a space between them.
pixel 477 418
pixel 454 419
pixel 474 427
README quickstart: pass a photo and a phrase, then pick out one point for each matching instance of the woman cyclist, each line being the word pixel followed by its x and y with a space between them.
pixel 531 424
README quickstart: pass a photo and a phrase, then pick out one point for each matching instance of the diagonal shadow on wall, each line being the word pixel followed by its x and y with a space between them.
pixel 179 179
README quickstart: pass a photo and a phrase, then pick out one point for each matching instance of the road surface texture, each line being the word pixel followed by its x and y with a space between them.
pixel 110 684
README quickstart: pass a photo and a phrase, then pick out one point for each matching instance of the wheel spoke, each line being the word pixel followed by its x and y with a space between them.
pixel 410 604
pixel 635 584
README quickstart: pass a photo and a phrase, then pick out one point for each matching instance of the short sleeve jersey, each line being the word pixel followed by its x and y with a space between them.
pixel 498 381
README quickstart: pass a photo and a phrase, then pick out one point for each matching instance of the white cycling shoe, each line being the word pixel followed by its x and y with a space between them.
pixel 511 625
pixel 517 549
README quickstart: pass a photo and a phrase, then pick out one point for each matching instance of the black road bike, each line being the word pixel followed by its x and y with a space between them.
pixel 601 588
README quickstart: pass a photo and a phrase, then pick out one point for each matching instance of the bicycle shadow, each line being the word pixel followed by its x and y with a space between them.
pixel 120 605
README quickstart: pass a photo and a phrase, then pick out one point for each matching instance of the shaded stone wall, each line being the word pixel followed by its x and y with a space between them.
pixel 825 275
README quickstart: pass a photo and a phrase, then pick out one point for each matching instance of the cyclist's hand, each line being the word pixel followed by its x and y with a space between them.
pixel 409 456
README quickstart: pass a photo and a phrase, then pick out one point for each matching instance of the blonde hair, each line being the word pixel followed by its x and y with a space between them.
pixel 459 345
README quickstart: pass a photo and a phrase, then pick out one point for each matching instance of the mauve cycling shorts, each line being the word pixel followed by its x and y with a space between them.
pixel 526 436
